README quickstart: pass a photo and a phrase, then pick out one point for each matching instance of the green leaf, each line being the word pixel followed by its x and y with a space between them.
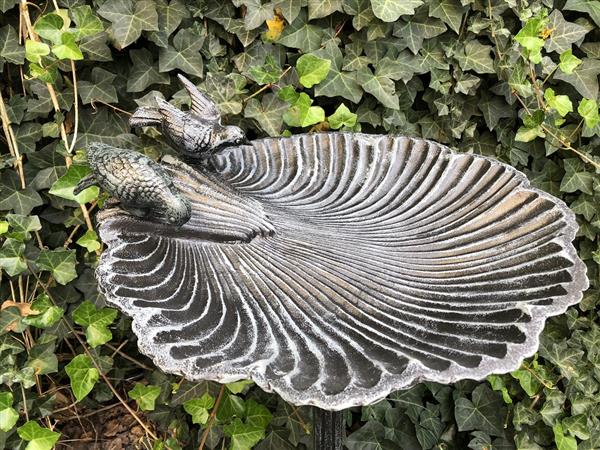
pixel 68 49
pixel 530 384
pixel 12 258
pixel 592 7
pixel 243 436
pixel 96 322
pixel 257 414
pixel 63 187
pixel 563 442
pixel 10 50
pixel 87 22
pixel 418 28
pixel 563 34
pixel 145 396
pixel 101 87
pixel 268 113
pixel 8 415
pixel 268 73
pixel 129 18
pixel 61 263
pixel 381 87
pixel 51 27
pixel 23 225
pixel 494 108
pixel 584 78
pixel 588 109
pixel 198 408
pixel 35 50
pixel 38 438
pixel 561 103
pixel 476 56
pixel 568 62
pixel 145 72
pixel 391 10
pixel 371 436
pixel 238 386
pixel 89 240
pixel 256 13
pixel 485 412
pixel 300 34
pixel 323 8
pixel 42 356
pixel 83 375
pixel 12 197
pixel 48 313
pixel 342 117
pixel 449 11
pixel 338 83
pixel 312 69
pixel 529 37
pixel 302 114
pixel 577 181
pixel 184 54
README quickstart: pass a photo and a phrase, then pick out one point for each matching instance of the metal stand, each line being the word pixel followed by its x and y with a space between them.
pixel 328 429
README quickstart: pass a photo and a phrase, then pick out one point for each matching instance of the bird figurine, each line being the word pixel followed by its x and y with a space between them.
pixel 141 185
pixel 197 133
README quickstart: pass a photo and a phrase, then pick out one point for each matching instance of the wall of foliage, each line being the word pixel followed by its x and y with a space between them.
pixel 512 79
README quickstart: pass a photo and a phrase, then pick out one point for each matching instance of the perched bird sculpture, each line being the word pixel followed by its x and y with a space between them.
pixel 334 268
pixel 197 133
pixel 141 185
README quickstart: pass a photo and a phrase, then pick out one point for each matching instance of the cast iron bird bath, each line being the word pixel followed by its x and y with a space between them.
pixel 335 268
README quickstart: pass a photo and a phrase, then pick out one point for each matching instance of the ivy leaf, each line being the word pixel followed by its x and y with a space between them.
pixel 61 263
pixel 145 396
pixel 338 82
pixel 485 412
pixel 361 12
pixel 184 54
pixel 312 69
pixel 476 56
pixel 302 114
pixel 83 375
pixel 38 438
pixel 418 28
pixel 101 87
pixel 8 415
pixel 577 181
pixel 563 33
pixel 50 27
pixel 42 356
pixel 129 18
pixel 563 442
pixel 10 50
pixel 268 73
pixel 449 11
pixel 87 22
pixel 23 225
pixel 35 50
pixel 561 103
pixel 529 37
pixel 96 322
pixel 67 49
pixel 300 34
pixel 63 187
pixel 370 436
pixel 47 313
pixel 12 197
pixel 592 7
pixel 391 10
pixel 257 13
pixel 494 109
pixel 95 47
pixel 198 408
pixel 257 414
pixel 145 72
pixel 342 117
pixel 588 109
pixel 568 62
pixel 89 241
pixel 268 113
pixel 243 436
pixel 584 78
pixel 380 87
pixel 12 258
pixel 323 8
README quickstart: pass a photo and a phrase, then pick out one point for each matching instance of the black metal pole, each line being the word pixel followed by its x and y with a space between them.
pixel 328 429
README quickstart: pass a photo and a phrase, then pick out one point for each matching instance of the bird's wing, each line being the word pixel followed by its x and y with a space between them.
pixel 394 261
pixel 202 105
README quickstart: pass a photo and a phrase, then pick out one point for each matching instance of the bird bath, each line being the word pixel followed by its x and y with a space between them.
pixel 336 268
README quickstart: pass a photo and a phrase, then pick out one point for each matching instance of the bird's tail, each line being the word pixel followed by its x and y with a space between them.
pixel 145 116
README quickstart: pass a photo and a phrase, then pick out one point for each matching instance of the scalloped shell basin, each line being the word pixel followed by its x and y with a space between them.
pixel 393 261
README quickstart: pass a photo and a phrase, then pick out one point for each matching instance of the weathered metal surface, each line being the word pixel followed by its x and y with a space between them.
pixel 335 268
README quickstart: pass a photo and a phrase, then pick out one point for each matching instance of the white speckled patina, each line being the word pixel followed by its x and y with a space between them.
pixel 336 268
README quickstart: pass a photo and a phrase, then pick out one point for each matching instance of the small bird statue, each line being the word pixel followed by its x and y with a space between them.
pixel 142 186
pixel 197 133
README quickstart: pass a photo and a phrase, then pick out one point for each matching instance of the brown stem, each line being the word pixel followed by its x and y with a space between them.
pixel 211 419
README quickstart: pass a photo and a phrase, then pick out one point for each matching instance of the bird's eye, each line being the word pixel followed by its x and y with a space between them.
pixel 172 219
